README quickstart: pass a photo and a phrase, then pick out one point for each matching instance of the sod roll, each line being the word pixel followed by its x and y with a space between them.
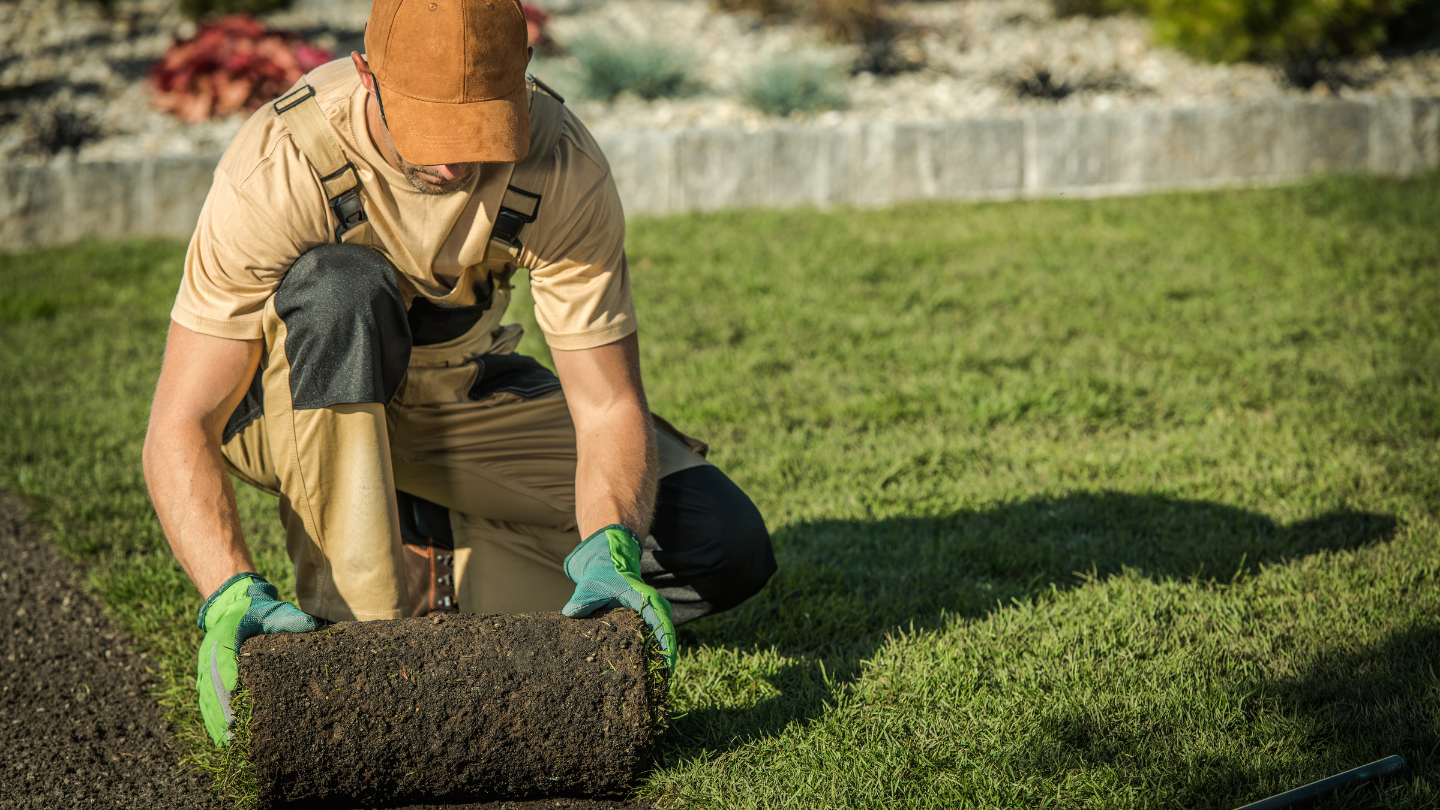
pixel 454 708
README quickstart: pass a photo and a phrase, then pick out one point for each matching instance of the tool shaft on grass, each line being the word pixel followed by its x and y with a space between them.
pixel 1380 767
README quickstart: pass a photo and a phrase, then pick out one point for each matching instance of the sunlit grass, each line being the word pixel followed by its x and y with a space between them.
pixel 1121 503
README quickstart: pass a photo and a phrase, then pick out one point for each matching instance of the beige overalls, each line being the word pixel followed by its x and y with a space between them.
pixel 504 465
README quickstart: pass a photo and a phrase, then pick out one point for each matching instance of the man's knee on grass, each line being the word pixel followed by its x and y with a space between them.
pixel 709 549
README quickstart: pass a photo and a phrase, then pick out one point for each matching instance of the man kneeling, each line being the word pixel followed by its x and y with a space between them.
pixel 336 341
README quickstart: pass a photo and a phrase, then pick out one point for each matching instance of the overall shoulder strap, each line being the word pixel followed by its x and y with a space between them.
pixel 521 203
pixel 301 113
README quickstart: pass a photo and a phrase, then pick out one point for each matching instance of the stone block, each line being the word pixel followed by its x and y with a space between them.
pixel 799 166
pixel 880 174
pixel 719 168
pixel 1330 136
pixel 1246 141
pixel 173 191
pixel 1404 135
pixel 30 207
pixel 1184 147
pixel 102 200
pixel 977 158
pixel 645 166
pixel 1084 151
pixel 1425 135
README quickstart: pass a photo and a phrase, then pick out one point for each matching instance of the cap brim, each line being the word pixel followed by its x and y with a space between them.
pixel 430 133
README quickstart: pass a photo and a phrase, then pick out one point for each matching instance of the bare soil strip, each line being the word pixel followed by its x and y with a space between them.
pixel 78 727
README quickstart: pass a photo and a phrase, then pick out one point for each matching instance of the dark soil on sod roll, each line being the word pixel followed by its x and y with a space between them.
pixel 451 709
pixel 78 727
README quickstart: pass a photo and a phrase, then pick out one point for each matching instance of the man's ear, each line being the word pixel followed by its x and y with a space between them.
pixel 529 54
pixel 363 68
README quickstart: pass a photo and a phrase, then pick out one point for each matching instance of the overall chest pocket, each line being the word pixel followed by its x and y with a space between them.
pixel 432 323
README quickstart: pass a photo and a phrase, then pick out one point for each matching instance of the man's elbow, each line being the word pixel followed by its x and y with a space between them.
pixel 168 437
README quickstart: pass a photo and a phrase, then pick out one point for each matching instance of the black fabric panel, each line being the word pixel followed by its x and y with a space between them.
pixel 711 550
pixel 512 373
pixel 431 323
pixel 251 407
pixel 423 523
pixel 347 335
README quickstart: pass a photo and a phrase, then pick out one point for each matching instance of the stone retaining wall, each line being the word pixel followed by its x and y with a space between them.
pixel 872 164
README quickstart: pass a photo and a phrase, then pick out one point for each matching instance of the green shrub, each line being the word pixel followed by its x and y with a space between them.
pixel 609 67
pixel 789 84
pixel 1284 31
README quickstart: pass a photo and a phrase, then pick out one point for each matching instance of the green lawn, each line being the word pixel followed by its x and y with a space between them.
pixel 1120 503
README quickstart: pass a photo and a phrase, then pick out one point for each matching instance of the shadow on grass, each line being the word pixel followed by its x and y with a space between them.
pixel 1347 708
pixel 844 584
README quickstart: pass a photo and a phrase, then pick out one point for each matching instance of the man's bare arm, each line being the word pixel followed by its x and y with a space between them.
pixel 618 466
pixel 202 381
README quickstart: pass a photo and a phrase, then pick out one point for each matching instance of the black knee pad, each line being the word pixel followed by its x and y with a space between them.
pixel 711 547
pixel 347 337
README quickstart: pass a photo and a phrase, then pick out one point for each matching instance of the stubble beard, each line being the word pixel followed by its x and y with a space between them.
pixel 431 184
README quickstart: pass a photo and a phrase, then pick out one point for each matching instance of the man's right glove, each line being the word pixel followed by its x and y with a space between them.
pixel 246 605
pixel 606 572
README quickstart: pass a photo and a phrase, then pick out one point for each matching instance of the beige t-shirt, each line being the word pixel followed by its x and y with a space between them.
pixel 267 207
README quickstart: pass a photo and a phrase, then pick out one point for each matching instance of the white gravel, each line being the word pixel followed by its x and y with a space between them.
pixel 974 56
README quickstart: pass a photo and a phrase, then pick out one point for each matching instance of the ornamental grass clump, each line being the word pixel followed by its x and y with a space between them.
pixel 647 69
pixel 793 84
pixel 232 64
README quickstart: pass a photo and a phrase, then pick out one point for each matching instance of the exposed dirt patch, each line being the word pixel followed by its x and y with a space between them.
pixel 78 727
pixel 452 708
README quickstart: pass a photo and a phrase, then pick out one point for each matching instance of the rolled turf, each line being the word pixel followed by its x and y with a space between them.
pixel 453 708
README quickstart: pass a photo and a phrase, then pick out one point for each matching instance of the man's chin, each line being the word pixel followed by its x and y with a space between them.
pixel 430 184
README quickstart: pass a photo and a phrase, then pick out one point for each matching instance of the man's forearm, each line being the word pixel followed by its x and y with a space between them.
pixel 193 496
pixel 616 475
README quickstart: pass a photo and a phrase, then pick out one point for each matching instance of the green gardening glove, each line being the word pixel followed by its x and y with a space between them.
pixel 606 572
pixel 246 605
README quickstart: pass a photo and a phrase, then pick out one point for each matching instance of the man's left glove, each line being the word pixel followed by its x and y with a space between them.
pixel 246 605
pixel 606 572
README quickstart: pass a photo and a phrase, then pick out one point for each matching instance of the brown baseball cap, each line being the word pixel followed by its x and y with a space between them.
pixel 452 78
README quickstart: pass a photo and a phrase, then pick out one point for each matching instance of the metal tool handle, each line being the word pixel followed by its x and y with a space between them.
pixel 1380 767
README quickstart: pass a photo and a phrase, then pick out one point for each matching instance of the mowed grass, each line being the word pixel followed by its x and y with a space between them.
pixel 1111 504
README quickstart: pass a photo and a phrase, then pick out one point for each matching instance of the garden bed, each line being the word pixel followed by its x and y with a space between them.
pixel 72 82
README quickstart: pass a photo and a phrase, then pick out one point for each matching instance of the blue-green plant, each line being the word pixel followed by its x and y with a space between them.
pixel 789 84
pixel 610 66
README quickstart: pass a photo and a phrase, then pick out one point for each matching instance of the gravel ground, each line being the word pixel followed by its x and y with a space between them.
pixel 67 72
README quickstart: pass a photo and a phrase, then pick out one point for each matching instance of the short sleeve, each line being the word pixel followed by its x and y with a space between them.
pixel 578 274
pixel 252 228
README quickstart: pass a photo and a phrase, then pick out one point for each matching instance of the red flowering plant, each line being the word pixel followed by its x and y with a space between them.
pixel 232 63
